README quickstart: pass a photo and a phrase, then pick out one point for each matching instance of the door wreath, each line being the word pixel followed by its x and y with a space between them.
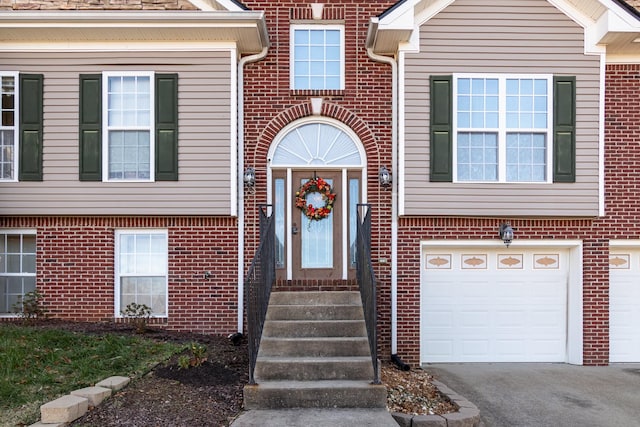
pixel 315 185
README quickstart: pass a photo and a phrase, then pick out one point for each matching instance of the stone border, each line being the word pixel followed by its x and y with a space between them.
pixel 65 409
pixel 467 416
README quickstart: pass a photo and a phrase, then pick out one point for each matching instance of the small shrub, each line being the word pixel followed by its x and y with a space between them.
pixel 196 358
pixel 198 351
pixel 139 315
pixel 30 306
pixel 184 362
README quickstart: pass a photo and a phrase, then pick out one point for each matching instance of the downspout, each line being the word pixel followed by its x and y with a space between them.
pixel 243 61
pixel 394 188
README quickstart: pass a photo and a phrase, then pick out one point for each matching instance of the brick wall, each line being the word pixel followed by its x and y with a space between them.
pixel 364 105
pixel 75 264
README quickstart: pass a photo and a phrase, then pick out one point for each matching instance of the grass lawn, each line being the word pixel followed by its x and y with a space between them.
pixel 41 364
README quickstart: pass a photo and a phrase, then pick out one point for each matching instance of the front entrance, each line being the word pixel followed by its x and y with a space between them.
pixel 315 236
pixel 317 243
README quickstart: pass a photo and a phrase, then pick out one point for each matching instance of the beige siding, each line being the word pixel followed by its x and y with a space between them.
pixel 204 153
pixel 502 37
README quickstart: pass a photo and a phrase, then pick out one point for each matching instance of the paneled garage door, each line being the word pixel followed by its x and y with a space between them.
pixel 505 305
pixel 624 305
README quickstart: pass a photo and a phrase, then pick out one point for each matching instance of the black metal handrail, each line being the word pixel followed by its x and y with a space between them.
pixel 258 284
pixel 367 283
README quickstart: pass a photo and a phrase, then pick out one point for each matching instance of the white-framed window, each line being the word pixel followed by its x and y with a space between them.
pixel 503 128
pixel 9 127
pixel 128 115
pixel 17 267
pixel 141 270
pixel 317 57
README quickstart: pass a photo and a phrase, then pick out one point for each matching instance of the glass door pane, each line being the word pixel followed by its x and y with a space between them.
pixel 317 236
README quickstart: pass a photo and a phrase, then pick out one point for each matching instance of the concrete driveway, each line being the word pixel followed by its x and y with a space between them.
pixel 540 395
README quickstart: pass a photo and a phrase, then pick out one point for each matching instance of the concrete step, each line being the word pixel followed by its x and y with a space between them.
pixel 314 394
pixel 315 298
pixel 313 369
pixel 314 347
pixel 314 328
pixel 314 312
pixel 316 417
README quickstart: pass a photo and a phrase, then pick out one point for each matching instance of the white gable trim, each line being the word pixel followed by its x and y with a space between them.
pixel 211 5
pixel 401 25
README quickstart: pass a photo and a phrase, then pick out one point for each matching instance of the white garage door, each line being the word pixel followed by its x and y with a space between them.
pixel 507 305
pixel 624 305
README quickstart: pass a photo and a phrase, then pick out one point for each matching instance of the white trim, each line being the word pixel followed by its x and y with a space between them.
pixel 289 221
pixel 601 138
pixel 106 127
pixel 117 46
pixel 312 120
pixel 30 231
pixel 624 243
pixel 575 344
pixel 623 59
pixel 292 30
pixel 400 171
pixel 502 129
pixel 116 266
pixel 345 224
pixel 233 132
pixel 16 124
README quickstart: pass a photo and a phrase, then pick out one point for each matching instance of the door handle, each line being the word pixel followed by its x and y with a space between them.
pixel 294 229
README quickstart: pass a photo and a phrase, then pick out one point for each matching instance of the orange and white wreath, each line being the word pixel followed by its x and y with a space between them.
pixel 315 185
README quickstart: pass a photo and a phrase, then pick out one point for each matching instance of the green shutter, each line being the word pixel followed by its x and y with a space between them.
pixel 441 129
pixel 166 127
pixel 30 145
pixel 90 127
pixel 564 129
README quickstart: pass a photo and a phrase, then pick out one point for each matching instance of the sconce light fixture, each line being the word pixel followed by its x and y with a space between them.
pixel 385 177
pixel 249 177
pixel 506 233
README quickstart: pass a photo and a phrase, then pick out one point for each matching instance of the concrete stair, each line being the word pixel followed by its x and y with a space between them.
pixel 314 353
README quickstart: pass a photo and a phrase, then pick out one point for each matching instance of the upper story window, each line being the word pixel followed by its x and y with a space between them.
pixel 503 128
pixel 128 126
pixel 317 57
pixel 9 127
pixel 128 116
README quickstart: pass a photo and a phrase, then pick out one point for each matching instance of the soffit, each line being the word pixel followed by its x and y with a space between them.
pixel 245 29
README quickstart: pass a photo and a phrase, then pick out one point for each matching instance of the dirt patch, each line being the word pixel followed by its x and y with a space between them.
pixel 211 394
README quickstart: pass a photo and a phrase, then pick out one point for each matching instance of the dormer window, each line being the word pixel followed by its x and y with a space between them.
pixel 317 57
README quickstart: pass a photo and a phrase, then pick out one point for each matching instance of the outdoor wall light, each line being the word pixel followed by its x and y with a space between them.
pixel 385 177
pixel 506 233
pixel 249 177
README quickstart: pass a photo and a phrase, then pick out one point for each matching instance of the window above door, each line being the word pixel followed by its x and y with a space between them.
pixel 317 57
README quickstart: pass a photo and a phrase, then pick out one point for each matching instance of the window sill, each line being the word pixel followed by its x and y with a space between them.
pixel 317 92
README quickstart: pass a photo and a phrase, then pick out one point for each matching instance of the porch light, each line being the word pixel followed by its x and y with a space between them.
pixel 506 233
pixel 249 177
pixel 385 177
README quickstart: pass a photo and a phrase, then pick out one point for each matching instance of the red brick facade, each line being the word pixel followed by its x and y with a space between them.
pixel 364 105
pixel 75 265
